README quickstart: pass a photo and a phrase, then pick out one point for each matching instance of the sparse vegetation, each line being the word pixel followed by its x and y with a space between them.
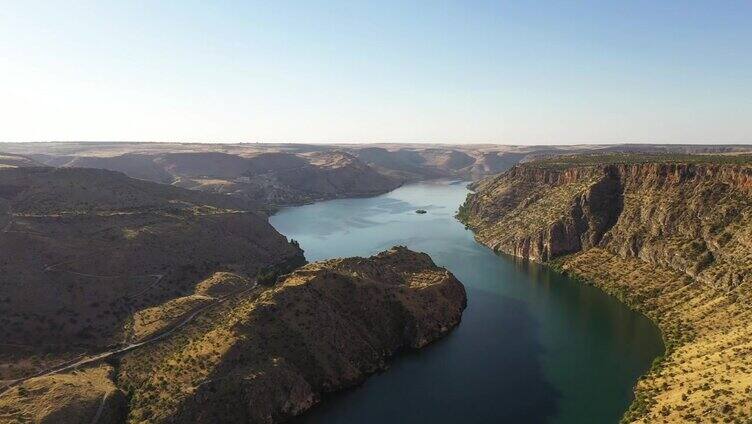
pixel 326 326
pixel 677 250
pixel 94 260
pixel 566 161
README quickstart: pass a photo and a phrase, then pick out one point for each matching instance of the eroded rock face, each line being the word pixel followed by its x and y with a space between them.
pixel 272 354
pixel 670 239
pixel 539 214
pixel 690 217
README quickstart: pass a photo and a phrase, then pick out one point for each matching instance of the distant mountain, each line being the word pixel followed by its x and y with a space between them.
pixel 270 180
pixel 275 175
pixel 8 160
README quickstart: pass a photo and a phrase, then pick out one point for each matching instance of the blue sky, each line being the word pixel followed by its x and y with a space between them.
pixel 454 71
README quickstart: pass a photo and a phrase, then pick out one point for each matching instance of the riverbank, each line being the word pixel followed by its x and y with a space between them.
pixel 534 345
pixel 706 372
pixel 670 239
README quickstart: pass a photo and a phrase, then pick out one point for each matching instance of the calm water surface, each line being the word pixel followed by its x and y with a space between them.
pixel 533 347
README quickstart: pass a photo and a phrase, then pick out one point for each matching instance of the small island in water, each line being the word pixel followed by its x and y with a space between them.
pixel 420 211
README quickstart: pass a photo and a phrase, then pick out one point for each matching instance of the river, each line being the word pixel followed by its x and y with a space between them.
pixel 533 347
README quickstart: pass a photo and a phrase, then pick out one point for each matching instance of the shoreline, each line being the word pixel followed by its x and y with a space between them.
pixel 639 398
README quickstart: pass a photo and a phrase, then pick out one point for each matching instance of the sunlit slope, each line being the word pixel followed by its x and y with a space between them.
pixel 669 235
pixel 270 354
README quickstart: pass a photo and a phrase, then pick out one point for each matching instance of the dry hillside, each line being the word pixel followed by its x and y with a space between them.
pixel 84 249
pixel 671 235
pixel 274 175
pixel 269 180
pixel 255 354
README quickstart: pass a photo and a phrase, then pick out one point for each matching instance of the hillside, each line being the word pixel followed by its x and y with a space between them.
pixel 15 161
pixel 670 235
pixel 138 166
pixel 269 180
pixel 256 354
pixel 83 250
pixel 275 175
pixel 280 179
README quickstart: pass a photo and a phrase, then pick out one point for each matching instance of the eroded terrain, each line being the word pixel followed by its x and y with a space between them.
pixel 123 300
pixel 669 235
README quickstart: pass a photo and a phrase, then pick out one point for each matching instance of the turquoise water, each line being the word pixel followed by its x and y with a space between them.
pixel 534 346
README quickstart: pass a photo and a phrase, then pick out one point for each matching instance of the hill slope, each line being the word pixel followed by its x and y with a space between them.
pixel 669 235
pixel 269 180
pixel 16 161
pixel 281 179
pixel 275 175
pixel 84 249
pixel 258 355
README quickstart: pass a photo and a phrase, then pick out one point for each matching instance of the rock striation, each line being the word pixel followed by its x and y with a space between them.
pixel 670 236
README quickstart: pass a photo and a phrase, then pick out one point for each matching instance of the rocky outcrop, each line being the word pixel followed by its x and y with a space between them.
pixel 126 300
pixel 271 354
pixel 688 217
pixel 670 238
pixel 540 213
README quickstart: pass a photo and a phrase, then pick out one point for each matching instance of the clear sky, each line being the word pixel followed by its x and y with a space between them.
pixel 379 71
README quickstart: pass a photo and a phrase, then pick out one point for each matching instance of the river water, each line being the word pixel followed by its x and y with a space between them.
pixel 534 346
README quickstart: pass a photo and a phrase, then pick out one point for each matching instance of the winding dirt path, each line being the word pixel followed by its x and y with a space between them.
pixel 75 364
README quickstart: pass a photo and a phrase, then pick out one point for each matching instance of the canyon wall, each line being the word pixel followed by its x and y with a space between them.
pixel 672 239
pixel 693 218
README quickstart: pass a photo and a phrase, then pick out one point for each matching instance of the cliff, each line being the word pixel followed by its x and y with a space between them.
pixel 236 351
pixel 270 354
pixel 671 236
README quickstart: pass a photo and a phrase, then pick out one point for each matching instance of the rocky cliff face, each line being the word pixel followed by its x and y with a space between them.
pixel 271 354
pixel 543 213
pixel 691 218
pixel 688 217
pixel 670 238
pixel 236 351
